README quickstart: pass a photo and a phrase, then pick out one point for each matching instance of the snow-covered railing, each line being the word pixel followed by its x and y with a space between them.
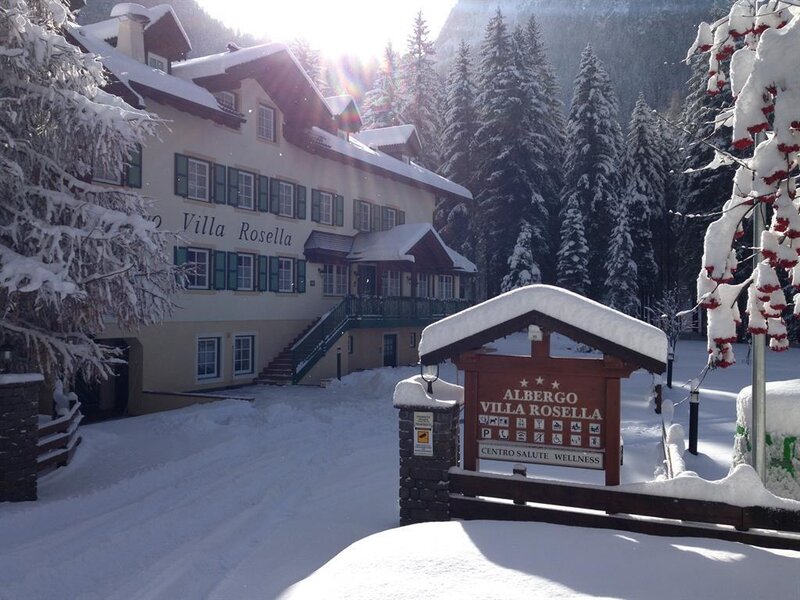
pixel 58 439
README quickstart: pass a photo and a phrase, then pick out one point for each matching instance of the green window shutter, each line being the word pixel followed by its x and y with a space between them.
pixel 355 213
pixel 315 205
pixel 338 202
pixel 401 217
pixel 274 265
pixel 263 193
pixel 299 202
pixel 263 274
pixel 376 218
pixel 133 168
pixel 220 184
pixel 384 218
pixel 232 271
pixel 220 271
pixel 181 175
pixel 233 186
pixel 179 255
pixel 301 276
pixel 274 195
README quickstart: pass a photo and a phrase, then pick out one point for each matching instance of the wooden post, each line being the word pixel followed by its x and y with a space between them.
pixel 471 421
pixel 612 426
pixel 659 397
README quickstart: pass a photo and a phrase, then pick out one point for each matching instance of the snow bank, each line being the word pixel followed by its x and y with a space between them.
pixel 16 378
pixel 491 560
pixel 555 302
pixel 412 393
pixel 742 487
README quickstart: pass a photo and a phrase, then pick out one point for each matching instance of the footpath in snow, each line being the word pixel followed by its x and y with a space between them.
pixel 239 500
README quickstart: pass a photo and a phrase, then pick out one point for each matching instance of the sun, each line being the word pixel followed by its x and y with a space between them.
pixel 359 28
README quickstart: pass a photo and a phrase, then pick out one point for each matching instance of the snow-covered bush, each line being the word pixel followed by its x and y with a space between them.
pixel 73 255
pixel 754 49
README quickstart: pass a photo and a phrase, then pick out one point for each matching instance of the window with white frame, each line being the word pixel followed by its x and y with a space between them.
pixel 199 266
pixel 106 173
pixel 389 218
pixel 285 275
pixel 422 285
pixel 198 179
pixel 445 287
pixel 390 283
pixel 243 363
pixel 157 62
pixel 226 100
pixel 286 199
pixel 245 266
pixel 266 123
pixel 363 216
pixel 246 190
pixel 208 357
pixel 334 280
pixel 326 208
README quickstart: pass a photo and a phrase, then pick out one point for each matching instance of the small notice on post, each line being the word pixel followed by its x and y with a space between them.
pixel 423 434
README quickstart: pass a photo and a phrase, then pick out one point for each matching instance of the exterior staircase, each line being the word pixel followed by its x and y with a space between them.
pixel 281 370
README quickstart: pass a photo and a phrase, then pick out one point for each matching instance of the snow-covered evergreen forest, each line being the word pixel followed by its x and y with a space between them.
pixel 581 195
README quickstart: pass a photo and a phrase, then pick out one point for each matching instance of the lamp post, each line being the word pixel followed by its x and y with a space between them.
pixel 694 415
pixel 429 374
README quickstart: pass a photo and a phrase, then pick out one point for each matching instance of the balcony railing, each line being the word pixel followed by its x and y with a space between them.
pixel 354 312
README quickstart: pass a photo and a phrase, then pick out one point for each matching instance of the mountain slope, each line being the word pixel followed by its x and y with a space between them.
pixel 641 42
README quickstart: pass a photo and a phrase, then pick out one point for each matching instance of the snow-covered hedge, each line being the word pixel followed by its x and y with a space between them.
pixel 783 431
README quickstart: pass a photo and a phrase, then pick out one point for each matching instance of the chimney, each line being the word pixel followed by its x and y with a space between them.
pixel 130 35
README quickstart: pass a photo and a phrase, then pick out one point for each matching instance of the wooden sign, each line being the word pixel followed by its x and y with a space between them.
pixel 543 410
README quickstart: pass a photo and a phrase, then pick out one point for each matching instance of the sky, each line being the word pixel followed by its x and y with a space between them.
pixel 355 27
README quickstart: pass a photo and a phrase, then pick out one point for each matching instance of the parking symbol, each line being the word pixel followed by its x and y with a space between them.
pixel 486 433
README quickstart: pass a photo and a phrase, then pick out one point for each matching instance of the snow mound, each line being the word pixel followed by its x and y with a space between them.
pixel 412 393
pixel 742 487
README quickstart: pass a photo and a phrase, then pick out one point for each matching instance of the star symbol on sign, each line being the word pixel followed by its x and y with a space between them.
pixel 539 380
pixel 523 383
pixel 555 385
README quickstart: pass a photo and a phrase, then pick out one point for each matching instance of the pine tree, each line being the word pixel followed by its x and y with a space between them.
pixel 420 92
pixel 452 218
pixel 550 123
pixel 503 188
pixel 522 269
pixel 309 59
pixel 73 255
pixel 702 192
pixel 591 159
pixel 573 254
pixel 644 192
pixel 621 289
pixel 381 104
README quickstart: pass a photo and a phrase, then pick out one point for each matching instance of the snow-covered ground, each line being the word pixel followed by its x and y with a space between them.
pixel 236 500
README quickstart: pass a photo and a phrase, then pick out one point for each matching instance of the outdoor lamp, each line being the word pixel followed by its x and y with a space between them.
pixel 429 374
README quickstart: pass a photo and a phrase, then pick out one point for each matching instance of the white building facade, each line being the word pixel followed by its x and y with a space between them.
pixel 309 253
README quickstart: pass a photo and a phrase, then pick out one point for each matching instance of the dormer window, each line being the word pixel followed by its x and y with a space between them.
pixel 158 62
pixel 343 134
pixel 226 100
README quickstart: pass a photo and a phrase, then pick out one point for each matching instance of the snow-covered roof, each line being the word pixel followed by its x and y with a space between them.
pixel 109 28
pixel 559 305
pixel 387 136
pixel 130 72
pixel 359 151
pixel 783 400
pixel 218 64
pixel 339 104
pixel 396 244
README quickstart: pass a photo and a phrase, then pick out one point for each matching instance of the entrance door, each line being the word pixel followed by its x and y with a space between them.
pixel 366 280
pixel 390 350
pixel 106 399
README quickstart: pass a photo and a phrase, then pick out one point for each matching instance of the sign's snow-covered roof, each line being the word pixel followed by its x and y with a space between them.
pixel 557 303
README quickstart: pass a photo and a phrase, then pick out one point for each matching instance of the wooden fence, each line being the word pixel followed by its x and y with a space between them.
pixel 608 508
pixel 58 439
